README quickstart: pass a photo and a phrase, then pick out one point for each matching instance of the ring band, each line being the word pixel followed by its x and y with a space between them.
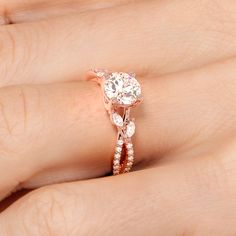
pixel 121 92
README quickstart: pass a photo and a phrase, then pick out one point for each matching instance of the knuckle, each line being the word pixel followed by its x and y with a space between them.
pixel 5 124
pixel 50 212
pixel 217 186
pixel 217 175
pixel 44 208
pixel 209 179
pixel 11 98
pixel 8 44
pixel 18 49
pixel 15 48
pixel 227 162
pixel 17 108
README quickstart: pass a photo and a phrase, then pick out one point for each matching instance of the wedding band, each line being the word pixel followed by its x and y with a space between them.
pixel 121 92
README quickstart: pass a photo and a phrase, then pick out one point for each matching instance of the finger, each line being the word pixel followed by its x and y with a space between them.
pixel 50 128
pixel 124 38
pixel 174 199
pixel 19 11
pixel 61 132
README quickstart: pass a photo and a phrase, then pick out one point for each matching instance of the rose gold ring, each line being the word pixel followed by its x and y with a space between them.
pixel 121 92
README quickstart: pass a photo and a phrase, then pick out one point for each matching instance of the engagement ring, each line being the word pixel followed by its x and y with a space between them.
pixel 121 92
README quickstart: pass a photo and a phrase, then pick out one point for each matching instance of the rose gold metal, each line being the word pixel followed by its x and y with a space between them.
pixel 121 164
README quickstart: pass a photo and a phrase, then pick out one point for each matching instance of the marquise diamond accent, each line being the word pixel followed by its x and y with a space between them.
pixel 130 130
pixel 117 119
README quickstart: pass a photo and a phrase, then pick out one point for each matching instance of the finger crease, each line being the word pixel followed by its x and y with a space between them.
pixel 7 125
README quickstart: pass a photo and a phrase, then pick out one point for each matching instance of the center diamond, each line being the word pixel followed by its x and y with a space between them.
pixel 122 89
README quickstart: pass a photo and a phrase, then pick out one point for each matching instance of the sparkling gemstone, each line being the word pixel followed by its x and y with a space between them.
pixel 130 130
pixel 131 152
pixel 118 149
pixel 117 156
pixel 100 72
pixel 129 145
pixel 116 167
pixel 116 162
pixel 117 120
pixel 122 89
pixel 120 142
pixel 129 164
pixel 130 158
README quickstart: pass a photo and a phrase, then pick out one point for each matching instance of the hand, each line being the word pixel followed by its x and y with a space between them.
pixel 49 135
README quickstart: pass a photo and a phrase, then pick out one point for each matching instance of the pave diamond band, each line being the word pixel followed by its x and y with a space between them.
pixel 121 92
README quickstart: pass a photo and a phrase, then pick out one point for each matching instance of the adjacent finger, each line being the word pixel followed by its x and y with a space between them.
pixel 123 38
pixel 53 127
pixel 174 199
pixel 19 11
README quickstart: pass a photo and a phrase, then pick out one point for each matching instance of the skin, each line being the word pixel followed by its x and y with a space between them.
pixel 55 130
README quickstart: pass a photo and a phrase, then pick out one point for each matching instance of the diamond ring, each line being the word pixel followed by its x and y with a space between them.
pixel 121 92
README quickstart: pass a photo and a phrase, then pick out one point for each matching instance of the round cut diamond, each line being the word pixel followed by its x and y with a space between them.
pixel 122 89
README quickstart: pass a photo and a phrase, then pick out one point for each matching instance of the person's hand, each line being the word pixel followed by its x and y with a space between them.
pixel 56 132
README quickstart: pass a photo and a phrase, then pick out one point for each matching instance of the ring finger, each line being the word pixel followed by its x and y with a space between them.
pixel 47 130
